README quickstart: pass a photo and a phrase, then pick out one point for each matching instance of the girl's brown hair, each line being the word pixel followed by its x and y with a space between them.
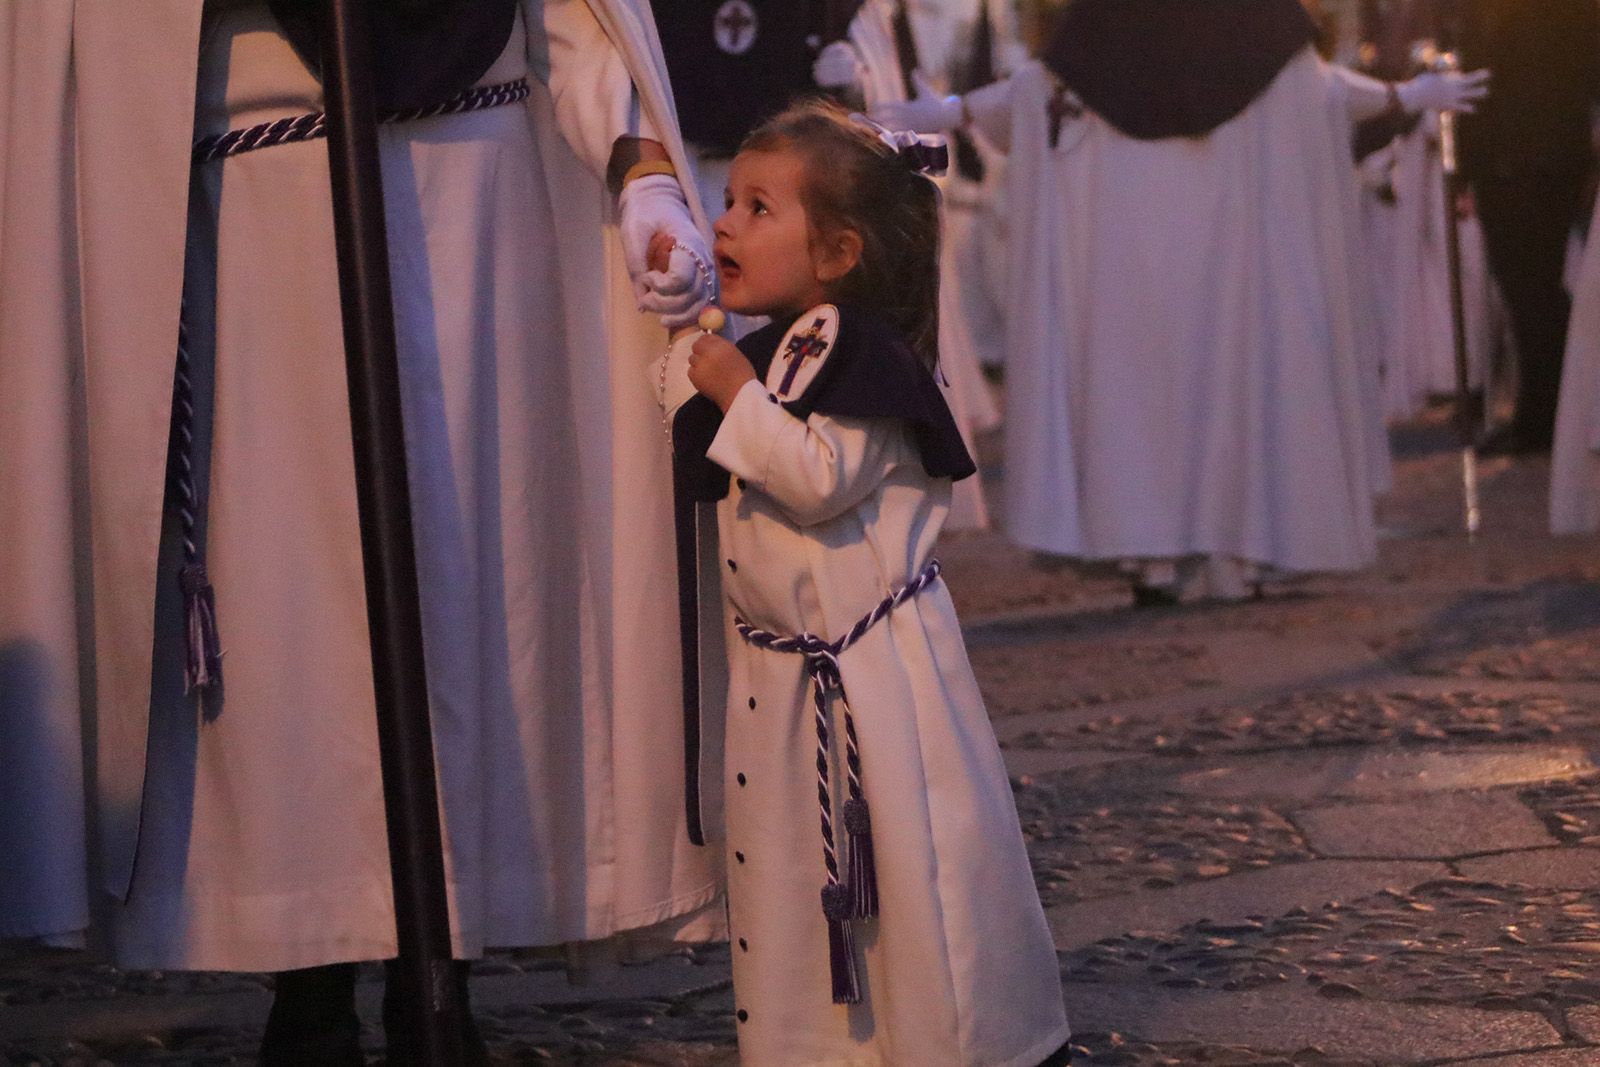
pixel 854 181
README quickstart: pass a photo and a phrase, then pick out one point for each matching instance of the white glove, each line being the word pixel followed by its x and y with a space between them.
pixel 655 204
pixel 927 113
pixel 838 66
pixel 1449 91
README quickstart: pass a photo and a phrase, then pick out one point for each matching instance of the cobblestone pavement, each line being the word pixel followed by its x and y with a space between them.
pixel 1353 823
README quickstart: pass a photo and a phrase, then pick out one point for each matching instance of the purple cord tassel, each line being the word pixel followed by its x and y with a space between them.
pixel 862 870
pixel 204 660
pixel 841 945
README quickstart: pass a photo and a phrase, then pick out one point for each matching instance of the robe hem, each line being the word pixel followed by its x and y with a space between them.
pixel 224 954
pixel 661 912
pixel 1109 559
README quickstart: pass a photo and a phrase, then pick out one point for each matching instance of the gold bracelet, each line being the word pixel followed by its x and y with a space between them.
pixel 649 166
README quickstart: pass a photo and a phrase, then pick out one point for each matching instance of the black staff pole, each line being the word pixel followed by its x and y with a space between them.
pixel 405 736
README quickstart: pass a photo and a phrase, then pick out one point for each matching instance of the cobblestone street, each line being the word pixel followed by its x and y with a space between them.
pixel 1354 822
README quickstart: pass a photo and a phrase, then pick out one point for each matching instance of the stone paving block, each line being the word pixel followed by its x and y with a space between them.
pixel 1027 762
pixel 1584 1021
pixel 124 1015
pixel 1425 827
pixel 1557 1057
pixel 1271 891
pixel 1378 773
pixel 1546 868
pixel 1290 1019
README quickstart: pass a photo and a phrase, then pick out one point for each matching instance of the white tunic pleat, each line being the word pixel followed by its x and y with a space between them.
pixel 1575 458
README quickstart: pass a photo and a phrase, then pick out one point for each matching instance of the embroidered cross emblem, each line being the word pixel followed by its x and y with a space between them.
pixel 735 27
pixel 801 347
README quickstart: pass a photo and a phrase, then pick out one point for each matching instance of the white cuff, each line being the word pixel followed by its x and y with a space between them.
pixel 749 434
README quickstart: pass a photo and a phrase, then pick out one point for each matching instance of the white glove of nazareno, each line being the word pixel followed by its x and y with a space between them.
pixel 838 66
pixel 929 112
pixel 1446 91
pixel 651 205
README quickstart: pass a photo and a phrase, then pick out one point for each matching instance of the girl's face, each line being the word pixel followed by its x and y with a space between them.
pixel 767 260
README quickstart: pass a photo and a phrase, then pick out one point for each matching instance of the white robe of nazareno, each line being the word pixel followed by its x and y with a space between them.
pixel 1190 372
pixel 253 838
pixel 1420 356
pixel 1379 231
pixel 44 837
pixel 825 518
pixel 1575 457
pixel 974 219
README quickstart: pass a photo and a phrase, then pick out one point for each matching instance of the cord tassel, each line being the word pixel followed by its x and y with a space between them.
pixel 841 944
pixel 203 668
pixel 862 869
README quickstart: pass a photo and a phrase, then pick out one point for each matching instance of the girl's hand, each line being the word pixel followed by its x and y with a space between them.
pixel 719 370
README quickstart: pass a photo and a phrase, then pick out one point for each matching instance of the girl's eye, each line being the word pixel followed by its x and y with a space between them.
pixel 758 207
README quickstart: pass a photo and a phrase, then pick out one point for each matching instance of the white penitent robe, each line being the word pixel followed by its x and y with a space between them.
pixel 826 517
pixel 1190 372
pixel 44 837
pixel 1420 356
pixel 1380 226
pixel 253 838
pixel 1575 457
pixel 972 250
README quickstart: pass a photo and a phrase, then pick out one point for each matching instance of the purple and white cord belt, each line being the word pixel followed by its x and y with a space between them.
pixel 856 895
pixel 203 649
pixel 313 125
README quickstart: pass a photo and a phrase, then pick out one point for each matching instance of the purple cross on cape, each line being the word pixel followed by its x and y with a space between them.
pixel 801 347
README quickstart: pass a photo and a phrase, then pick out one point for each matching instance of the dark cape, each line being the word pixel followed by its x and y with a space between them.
pixel 732 68
pixel 425 50
pixel 870 373
pixel 1175 68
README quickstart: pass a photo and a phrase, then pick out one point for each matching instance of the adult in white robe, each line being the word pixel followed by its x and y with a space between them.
pixel 1420 356
pixel 1575 459
pixel 253 838
pixel 945 35
pixel 1379 232
pixel 1192 390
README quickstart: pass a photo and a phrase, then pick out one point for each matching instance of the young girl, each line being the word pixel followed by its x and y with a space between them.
pixel 852 702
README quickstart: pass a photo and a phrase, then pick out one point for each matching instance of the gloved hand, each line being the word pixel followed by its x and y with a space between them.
pixel 928 112
pixel 1449 91
pixel 838 66
pixel 651 205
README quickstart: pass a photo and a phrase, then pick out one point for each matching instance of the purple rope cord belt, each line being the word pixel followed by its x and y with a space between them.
pixel 855 897
pixel 203 648
pixel 313 126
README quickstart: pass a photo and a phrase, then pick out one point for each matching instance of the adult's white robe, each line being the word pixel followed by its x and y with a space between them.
pixel 1189 374
pixel 1575 457
pixel 972 249
pixel 540 489
pixel 1380 225
pixel 1420 354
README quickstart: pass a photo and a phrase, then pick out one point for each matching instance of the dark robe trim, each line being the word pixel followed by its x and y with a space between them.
pixel 1175 68
pixel 870 373
pixel 425 52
